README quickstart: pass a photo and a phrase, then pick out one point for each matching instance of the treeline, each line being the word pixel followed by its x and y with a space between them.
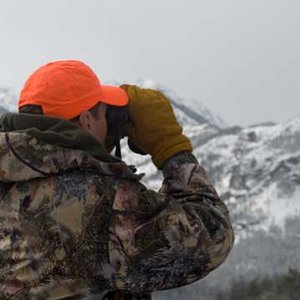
pixel 281 287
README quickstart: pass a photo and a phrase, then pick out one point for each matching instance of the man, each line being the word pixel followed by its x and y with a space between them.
pixel 75 221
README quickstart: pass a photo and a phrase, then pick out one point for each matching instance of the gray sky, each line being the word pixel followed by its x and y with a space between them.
pixel 240 58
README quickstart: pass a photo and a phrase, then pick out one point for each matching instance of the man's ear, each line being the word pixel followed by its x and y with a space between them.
pixel 85 120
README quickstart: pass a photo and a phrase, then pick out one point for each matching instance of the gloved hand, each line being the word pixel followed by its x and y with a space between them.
pixel 155 129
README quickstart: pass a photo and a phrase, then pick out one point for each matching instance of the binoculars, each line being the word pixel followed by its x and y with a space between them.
pixel 118 118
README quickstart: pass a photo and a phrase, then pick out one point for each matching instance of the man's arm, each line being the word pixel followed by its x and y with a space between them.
pixel 168 239
pixel 174 237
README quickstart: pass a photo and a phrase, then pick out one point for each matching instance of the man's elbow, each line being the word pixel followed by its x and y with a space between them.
pixel 220 250
pixel 211 252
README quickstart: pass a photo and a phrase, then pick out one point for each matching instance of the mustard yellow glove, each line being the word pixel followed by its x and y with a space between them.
pixel 155 129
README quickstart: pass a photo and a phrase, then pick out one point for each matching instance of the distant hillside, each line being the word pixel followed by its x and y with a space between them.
pixel 8 101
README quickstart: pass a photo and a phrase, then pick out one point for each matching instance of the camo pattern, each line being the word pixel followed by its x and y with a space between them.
pixel 73 227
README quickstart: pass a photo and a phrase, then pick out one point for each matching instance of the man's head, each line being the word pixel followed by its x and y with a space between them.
pixel 71 90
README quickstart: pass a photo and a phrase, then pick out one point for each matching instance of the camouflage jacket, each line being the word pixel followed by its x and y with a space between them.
pixel 75 227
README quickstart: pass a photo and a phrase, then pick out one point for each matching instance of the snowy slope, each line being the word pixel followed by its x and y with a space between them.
pixel 256 171
pixel 8 100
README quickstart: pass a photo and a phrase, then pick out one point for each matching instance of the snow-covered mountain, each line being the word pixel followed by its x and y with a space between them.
pixel 8 100
pixel 256 170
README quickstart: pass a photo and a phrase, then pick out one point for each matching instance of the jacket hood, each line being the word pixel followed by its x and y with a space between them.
pixel 33 146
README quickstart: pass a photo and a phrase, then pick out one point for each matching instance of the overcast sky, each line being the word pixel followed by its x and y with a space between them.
pixel 240 58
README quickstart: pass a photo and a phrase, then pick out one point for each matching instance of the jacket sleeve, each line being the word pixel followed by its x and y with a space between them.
pixel 172 238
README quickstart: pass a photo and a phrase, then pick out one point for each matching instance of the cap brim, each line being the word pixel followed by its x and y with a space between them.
pixel 114 95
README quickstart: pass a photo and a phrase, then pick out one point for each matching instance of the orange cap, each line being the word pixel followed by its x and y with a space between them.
pixel 66 88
